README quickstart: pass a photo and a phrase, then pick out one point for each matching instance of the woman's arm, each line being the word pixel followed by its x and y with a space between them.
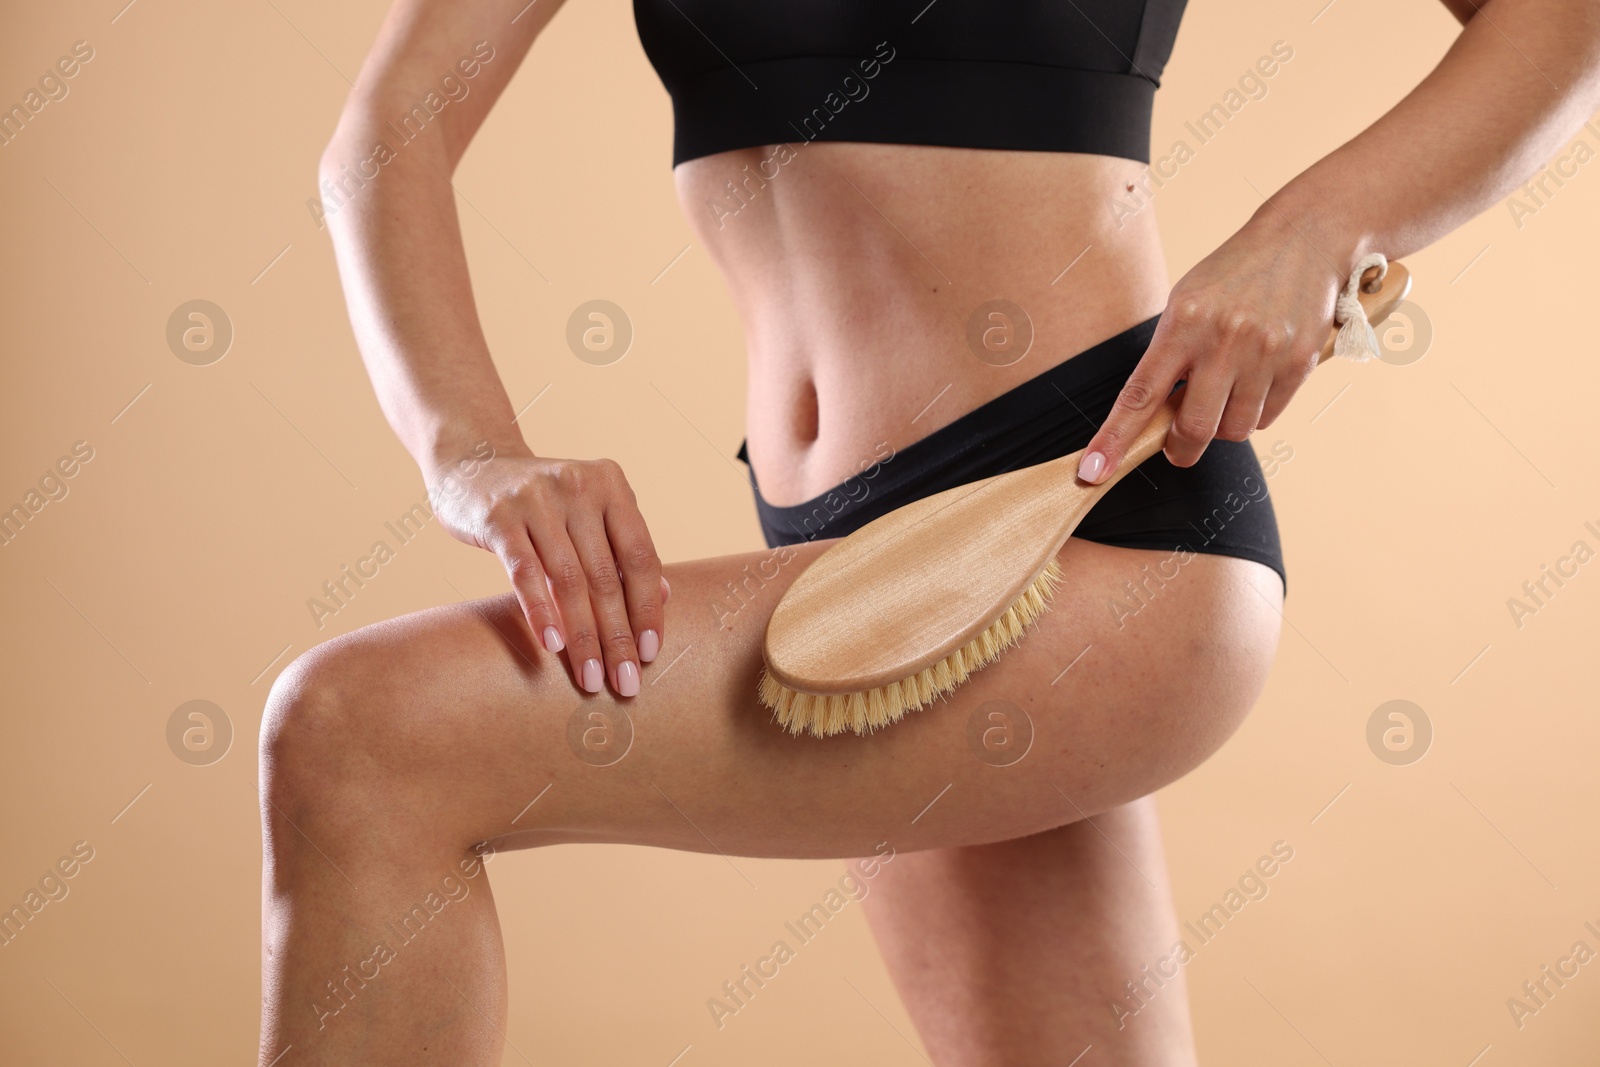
pixel 396 233
pixel 570 528
pixel 1245 325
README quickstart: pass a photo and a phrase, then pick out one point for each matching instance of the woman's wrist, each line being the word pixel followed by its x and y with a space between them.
pixel 449 470
pixel 1338 232
pixel 459 447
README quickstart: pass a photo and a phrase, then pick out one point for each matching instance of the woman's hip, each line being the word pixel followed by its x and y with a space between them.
pixel 1220 505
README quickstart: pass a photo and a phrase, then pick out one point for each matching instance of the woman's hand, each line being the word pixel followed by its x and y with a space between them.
pixel 1243 328
pixel 580 558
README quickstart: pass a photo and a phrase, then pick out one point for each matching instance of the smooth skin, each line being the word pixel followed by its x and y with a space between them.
pixel 390 752
pixel 392 756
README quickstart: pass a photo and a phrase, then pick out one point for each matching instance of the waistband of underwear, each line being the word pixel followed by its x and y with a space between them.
pixel 1051 414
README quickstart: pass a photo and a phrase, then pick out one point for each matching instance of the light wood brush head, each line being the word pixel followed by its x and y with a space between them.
pixel 907 607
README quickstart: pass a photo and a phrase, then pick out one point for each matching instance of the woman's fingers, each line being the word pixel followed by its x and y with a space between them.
pixel 1233 364
pixel 564 564
pixel 1141 396
pixel 531 584
pixel 643 584
pixel 606 600
pixel 1243 413
pixel 1200 407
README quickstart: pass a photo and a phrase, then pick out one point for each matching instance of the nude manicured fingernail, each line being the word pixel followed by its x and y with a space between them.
pixel 666 589
pixel 591 675
pixel 649 646
pixel 552 639
pixel 628 679
pixel 1089 470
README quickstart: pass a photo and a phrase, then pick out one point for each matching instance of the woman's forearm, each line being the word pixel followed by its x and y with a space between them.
pixel 407 287
pixel 1515 86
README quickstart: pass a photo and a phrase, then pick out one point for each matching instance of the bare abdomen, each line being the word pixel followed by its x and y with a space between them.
pixel 887 289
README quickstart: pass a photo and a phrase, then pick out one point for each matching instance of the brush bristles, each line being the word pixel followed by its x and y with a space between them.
pixel 823 716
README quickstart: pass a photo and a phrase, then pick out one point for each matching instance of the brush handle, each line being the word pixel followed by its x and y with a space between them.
pixel 1378 304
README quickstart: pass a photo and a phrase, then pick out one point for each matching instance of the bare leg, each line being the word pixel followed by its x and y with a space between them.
pixel 1013 952
pixel 388 753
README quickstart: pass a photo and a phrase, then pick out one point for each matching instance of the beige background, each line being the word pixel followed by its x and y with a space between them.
pixel 1419 498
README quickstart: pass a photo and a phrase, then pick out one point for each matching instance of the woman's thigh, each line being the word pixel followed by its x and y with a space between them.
pixel 453 725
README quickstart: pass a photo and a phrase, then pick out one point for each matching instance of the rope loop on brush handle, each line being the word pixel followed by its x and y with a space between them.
pixel 1356 339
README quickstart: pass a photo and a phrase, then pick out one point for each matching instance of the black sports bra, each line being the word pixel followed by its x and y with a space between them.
pixel 1046 75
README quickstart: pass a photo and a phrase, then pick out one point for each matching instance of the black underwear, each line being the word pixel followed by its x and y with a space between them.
pixel 1219 506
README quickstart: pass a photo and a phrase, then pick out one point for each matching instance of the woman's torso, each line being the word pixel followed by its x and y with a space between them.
pixel 861 272
pixel 935 158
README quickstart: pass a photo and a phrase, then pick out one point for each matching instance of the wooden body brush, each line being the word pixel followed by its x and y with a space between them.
pixel 907 607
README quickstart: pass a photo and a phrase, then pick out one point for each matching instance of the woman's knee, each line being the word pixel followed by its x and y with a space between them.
pixel 378 725
pixel 311 733
pixel 353 724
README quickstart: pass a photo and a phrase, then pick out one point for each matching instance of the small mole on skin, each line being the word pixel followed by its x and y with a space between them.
pixel 1130 187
